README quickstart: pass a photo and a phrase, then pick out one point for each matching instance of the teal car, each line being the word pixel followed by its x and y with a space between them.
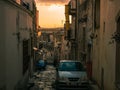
pixel 71 75
pixel 41 64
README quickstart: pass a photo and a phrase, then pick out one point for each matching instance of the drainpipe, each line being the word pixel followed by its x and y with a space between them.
pixel 67 17
pixel 67 25
pixel 89 64
pixel 76 31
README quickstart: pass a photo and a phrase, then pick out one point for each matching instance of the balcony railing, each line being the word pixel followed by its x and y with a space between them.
pixel 72 11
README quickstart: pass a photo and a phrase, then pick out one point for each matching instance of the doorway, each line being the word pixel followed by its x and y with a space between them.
pixel 118 55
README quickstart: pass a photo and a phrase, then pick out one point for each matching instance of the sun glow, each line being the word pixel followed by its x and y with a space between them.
pixel 51 16
pixel 55 7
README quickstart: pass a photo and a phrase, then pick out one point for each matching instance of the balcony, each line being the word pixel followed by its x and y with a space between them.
pixel 72 7
pixel 72 12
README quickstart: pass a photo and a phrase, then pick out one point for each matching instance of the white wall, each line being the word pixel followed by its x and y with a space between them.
pixel 30 3
pixel 2 47
pixel 14 20
pixel 105 58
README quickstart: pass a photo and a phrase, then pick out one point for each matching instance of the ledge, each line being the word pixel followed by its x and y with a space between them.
pixel 19 6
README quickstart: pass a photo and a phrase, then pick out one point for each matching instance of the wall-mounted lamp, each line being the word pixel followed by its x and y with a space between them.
pixel 116 37
pixel 93 36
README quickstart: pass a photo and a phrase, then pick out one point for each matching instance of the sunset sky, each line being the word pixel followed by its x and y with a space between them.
pixel 51 13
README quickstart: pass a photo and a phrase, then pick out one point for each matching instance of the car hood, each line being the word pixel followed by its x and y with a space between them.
pixel 73 74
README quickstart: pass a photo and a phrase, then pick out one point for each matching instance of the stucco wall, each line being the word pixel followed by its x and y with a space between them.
pixel 14 20
pixel 2 48
pixel 105 57
pixel 11 47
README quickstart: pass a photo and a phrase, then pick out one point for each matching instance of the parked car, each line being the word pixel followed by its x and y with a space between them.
pixel 71 75
pixel 41 64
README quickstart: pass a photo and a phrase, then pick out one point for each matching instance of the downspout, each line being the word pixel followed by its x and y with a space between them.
pixel 76 19
pixel 67 17
pixel 67 25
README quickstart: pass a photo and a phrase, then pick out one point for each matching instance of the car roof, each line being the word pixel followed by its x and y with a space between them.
pixel 69 61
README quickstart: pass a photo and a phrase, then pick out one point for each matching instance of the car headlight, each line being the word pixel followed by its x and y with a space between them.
pixel 83 79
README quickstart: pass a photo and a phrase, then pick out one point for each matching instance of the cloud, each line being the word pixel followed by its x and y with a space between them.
pixel 51 2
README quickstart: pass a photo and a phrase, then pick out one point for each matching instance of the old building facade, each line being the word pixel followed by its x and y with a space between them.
pixel 16 43
pixel 52 39
pixel 98 35
pixel 106 44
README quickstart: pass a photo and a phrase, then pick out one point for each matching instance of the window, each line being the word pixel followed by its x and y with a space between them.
pixel 26 56
pixel 71 66
pixel 97 14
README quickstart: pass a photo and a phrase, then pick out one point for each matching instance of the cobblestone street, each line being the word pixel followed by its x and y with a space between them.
pixel 44 80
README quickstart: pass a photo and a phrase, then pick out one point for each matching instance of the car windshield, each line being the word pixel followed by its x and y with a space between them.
pixel 71 66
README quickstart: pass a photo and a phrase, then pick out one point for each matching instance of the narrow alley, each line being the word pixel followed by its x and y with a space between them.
pixel 43 80
pixel 59 44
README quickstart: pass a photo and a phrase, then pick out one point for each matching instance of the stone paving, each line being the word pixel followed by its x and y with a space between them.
pixel 44 80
